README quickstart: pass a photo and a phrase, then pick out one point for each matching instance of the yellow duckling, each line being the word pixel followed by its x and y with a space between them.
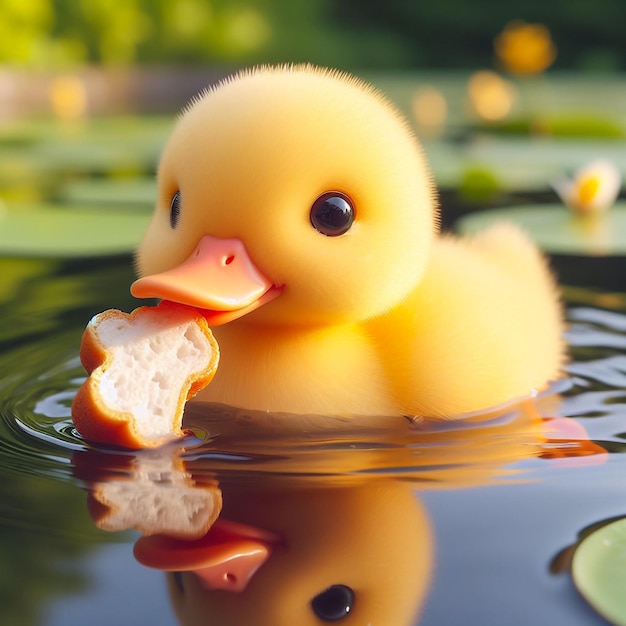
pixel 296 209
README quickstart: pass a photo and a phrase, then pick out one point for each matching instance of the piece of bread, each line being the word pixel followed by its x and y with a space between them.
pixel 143 367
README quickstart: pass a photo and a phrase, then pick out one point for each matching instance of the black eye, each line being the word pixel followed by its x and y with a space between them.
pixel 332 214
pixel 334 603
pixel 175 210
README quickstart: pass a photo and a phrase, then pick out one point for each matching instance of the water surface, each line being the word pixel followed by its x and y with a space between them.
pixel 499 499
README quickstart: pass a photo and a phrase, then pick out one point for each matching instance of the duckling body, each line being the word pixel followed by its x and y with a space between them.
pixel 324 371
pixel 482 328
pixel 296 210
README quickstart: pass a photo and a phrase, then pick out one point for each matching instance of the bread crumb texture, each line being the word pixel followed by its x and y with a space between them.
pixel 146 365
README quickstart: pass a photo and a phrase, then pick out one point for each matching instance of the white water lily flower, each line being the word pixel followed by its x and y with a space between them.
pixel 593 189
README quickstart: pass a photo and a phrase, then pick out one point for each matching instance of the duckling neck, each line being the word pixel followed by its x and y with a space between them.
pixel 327 371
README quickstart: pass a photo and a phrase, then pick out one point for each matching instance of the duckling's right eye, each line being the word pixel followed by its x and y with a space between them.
pixel 333 603
pixel 175 210
pixel 332 214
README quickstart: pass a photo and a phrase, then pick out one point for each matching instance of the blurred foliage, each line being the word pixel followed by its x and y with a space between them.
pixel 478 185
pixel 347 33
pixel 50 33
pixel 589 34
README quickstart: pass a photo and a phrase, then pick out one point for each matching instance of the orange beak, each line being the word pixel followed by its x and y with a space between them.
pixel 225 558
pixel 219 277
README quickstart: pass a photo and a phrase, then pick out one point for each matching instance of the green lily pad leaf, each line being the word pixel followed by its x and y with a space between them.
pixel 572 125
pixel 558 230
pixel 525 165
pixel 599 571
pixel 127 193
pixel 44 231
pixel 87 159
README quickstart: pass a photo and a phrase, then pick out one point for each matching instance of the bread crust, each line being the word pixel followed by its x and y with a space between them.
pixel 98 422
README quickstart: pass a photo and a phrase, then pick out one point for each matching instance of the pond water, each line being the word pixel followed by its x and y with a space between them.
pixel 464 523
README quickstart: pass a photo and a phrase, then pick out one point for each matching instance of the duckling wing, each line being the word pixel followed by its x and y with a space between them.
pixel 483 327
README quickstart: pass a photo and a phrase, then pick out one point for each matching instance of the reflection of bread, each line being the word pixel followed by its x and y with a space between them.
pixel 157 498
pixel 143 367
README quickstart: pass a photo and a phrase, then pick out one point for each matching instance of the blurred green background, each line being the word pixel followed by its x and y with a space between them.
pixel 353 34
pixel 505 96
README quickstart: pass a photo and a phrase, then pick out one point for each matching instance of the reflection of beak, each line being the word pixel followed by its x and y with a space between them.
pixel 225 558
pixel 219 277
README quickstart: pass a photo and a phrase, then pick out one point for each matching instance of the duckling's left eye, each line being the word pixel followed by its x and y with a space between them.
pixel 332 214
pixel 175 210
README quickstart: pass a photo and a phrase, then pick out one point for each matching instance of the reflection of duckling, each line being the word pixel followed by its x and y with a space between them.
pixel 311 529
pixel 360 553
pixel 436 455
pixel 356 548
pixel 308 211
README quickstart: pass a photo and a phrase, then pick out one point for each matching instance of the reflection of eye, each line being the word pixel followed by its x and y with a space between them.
pixel 332 214
pixel 175 210
pixel 178 581
pixel 334 603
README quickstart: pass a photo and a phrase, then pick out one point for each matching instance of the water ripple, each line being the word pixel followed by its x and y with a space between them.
pixel 37 434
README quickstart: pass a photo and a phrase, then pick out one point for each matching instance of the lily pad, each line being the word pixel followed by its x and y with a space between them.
pixel 565 125
pixel 599 571
pixel 45 231
pixel 127 193
pixel 525 165
pixel 94 145
pixel 558 230
pixel 86 158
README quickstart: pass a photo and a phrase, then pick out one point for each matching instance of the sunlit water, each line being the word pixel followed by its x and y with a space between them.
pixel 505 495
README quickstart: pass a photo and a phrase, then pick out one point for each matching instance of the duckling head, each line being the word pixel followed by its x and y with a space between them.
pixel 296 188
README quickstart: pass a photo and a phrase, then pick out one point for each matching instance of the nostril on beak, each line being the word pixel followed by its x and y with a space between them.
pixel 227 260
pixel 230 579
